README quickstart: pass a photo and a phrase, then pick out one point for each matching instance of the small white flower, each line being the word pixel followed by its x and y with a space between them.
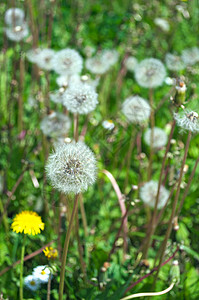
pixel 148 193
pixel 109 56
pixel 162 23
pixel 14 17
pixel 136 109
pixel 32 283
pixel 108 124
pixel 17 33
pixel 41 273
pixel 72 168
pixel 131 63
pixel 150 73
pixel 80 99
pixel 170 81
pixel 97 65
pixel 188 120
pixel 44 59
pixel 159 137
pixel 67 62
pixel 190 56
pixel 55 125
pixel 174 62
pixel 32 55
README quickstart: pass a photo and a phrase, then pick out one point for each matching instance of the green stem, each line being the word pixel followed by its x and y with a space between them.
pixel 65 250
pixel 21 269
pixel 152 120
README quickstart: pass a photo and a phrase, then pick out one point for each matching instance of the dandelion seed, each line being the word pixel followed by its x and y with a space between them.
pixel 131 63
pixel 80 99
pixel 162 23
pixel 55 125
pixel 187 120
pixel 159 137
pixel 41 273
pixel 136 109
pixel 67 62
pixel 28 222
pixel 72 168
pixel 150 73
pixel 32 283
pixel 190 56
pixel 14 17
pixel 174 62
pixel 17 33
pixel 148 194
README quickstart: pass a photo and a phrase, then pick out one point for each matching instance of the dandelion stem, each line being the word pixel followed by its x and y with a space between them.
pixel 163 248
pixel 49 287
pixel 152 120
pixel 76 121
pixel 65 250
pixel 128 159
pixel 21 269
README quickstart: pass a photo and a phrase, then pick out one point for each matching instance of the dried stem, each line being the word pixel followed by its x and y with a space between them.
pixel 76 121
pixel 128 159
pixel 49 287
pixel 152 120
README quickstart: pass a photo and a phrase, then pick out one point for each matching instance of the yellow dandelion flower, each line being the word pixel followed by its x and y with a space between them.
pixel 28 222
pixel 50 252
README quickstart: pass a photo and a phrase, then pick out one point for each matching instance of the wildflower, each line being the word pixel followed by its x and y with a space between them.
pixel 41 273
pixel 50 252
pixel 150 73
pixel 174 62
pixel 109 56
pixel 32 283
pixel 80 99
pixel 72 168
pixel 55 125
pixel 159 137
pixel 67 62
pixel 188 120
pixel 190 56
pixel 32 55
pixel 162 23
pixel 17 33
pixel 44 59
pixel 148 193
pixel 14 17
pixel 108 124
pixel 97 65
pixel 131 63
pixel 136 109
pixel 28 222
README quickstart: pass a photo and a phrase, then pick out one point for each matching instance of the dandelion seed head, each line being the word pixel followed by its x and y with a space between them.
pixel 159 137
pixel 174 62
pixel 187 120
pixel 80 99
pixel 162 23
pixel 71 168
pixel 136 109
pixel 17 33
pixel 148 193
pixel 190 56
pixel 109 56
pixel 131 63
pixel 32 55
pixel 14 17
pixel 67 62
pixel 32 283
pixel 44 59
pixel 150 73
pixel 41 273
pixel 55 125
pixel 97 65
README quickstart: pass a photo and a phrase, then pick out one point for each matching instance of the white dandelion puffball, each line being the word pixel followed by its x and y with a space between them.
pixel 97 65
pixel 159 137
pixel 136 109
pixel 67 62
pixel 150 73
pixel 109 56
pixel 187 120
pixel 174 62
pixel 32 55
pixel 80 99
pixel 190 56
pixel 57 96
pixel 148 193
pixel 14 17
pixel 62 80
pixel 72 168
pixel 162 23
pixel 55 125
pixel 131 63
pixel 41 273
pixel 84 79
pixel 108 124
pixel 17 33
pixel 44 59
pixel 32 283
